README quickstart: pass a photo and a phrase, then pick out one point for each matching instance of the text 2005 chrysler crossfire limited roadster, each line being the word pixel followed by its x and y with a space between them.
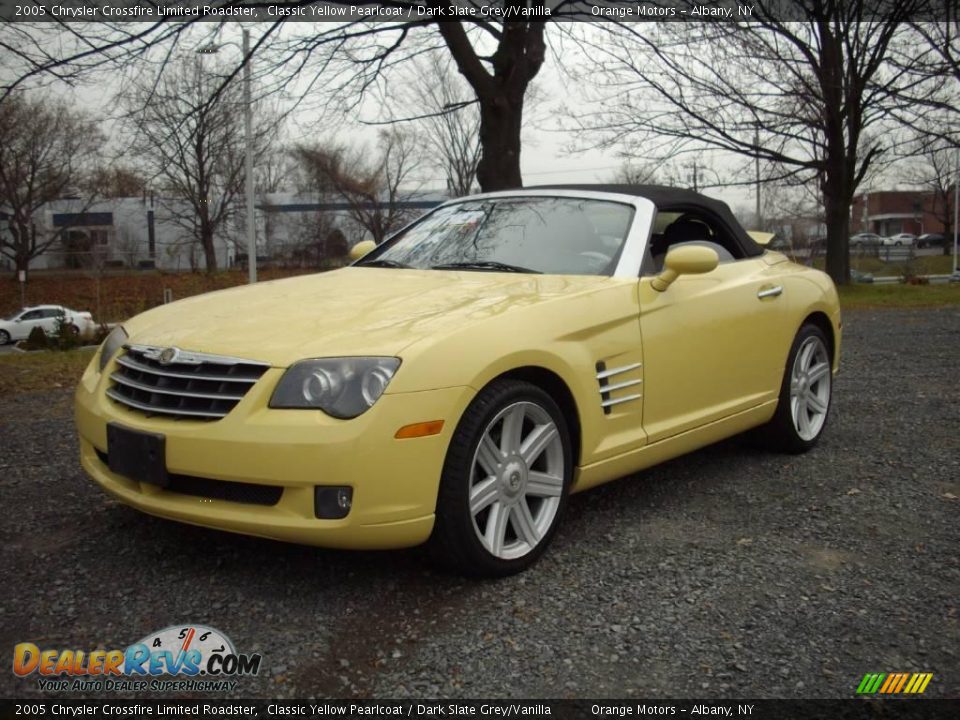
pixel 458 382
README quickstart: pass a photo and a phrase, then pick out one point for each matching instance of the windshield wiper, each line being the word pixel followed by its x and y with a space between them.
pixel 382 262
pixel 484 265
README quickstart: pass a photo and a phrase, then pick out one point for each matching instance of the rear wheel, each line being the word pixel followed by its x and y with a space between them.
pixel 805 394
pixel 505 481
pixel 4 337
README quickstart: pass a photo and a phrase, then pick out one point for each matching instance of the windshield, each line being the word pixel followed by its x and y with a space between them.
pixel 564 236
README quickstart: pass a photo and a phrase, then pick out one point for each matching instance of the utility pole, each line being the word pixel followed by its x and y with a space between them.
pixel 956 211
pixel 248 137
pixel 756 161
pixel 693 176
pixel 248 132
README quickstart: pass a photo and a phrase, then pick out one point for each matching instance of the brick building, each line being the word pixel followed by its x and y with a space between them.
pixel 890 212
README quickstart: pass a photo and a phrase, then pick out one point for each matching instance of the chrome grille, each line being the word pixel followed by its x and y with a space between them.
pixel 178 383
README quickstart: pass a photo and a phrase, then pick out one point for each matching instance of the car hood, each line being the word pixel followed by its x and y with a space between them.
pixel 352 311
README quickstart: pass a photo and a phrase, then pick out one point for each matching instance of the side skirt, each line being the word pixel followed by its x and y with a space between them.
pixel 604 471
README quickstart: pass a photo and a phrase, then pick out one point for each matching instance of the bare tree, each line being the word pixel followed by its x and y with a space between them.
pixel 188 131
pixel 812 99
pixel 274 171
pixel 368 183
pixel 943 38
pixel 931 104
pixel 47 150
pixel 117 181
pixel 634 173
pixel 648 172
pixel 315 240
pixel 448 120
pixel 793 210
pixel 936 171
pixel 341 63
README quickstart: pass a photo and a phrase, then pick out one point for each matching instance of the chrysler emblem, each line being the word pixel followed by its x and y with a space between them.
pixel 168 355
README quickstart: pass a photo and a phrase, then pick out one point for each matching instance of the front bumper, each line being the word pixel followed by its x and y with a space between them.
pixel 394 482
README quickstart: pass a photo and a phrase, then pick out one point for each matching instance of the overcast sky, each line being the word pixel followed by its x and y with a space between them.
pixel 548 156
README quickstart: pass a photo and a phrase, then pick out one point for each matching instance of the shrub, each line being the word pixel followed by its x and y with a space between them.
pixel 100 334
pixel 65 336
pixel 37 340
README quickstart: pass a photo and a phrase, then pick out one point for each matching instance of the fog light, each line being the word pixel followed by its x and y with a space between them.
pixel 332 502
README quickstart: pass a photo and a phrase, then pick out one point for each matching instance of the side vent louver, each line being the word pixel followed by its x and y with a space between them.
pixel 609 384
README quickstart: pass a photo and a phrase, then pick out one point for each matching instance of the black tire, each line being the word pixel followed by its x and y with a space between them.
pixel 782 432
pixel 73 330
pixel 4 337
pixel 455 542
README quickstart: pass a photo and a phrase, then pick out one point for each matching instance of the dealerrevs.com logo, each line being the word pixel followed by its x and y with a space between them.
pixel 180 657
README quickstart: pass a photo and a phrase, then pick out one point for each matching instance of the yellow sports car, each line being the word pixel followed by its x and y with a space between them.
pixel 455 384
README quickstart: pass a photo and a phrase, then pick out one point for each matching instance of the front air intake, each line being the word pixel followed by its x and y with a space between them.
pixel 181 384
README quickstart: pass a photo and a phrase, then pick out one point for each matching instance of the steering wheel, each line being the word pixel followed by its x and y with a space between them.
pixel 692 217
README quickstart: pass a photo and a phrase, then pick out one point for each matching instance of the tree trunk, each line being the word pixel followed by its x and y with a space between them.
pixel 209 251
pixel 838 165
pixel 837 216
pixel 23 240
pixel 500 125
pixel 516 61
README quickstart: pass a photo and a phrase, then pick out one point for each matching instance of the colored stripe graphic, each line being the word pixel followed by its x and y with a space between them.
pixel 871 682
pixel 893 683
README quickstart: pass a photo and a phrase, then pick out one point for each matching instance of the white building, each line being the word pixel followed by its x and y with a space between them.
pixel 149 232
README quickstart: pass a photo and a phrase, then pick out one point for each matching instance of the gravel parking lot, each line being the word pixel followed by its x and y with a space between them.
pixel 728 573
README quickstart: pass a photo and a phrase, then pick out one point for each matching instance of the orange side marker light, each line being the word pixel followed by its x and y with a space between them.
pixel 420 429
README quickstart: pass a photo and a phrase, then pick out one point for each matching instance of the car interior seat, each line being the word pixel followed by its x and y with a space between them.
pixel 679 231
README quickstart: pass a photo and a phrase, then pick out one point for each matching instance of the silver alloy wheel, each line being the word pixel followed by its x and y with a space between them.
pixel 810 388
pixel 516 480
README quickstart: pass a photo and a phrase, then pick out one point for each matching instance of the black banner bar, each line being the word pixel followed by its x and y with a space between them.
pixel 853 709
pixel 120 11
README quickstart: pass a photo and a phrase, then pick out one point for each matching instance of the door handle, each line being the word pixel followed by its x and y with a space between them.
pixel 770 292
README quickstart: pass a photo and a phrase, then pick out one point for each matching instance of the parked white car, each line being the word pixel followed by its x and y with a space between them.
pixel 900 239
pixel 19 325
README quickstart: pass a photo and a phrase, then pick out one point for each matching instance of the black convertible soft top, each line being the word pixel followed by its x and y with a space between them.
pixel 673 199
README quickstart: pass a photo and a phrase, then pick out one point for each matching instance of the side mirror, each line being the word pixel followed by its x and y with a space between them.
pixel 361 249
pixel 688 260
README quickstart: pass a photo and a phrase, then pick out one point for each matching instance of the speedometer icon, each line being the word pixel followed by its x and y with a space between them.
pixel 181 639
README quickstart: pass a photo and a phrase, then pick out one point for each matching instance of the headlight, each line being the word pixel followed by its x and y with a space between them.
pixel 341 387
pixel 114 341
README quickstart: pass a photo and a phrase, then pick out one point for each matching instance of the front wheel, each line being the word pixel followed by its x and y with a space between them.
pixel 4 337
pixel 805 394
pixel 505 481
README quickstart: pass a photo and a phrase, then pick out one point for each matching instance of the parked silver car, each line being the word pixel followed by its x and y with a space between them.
pixel 865 239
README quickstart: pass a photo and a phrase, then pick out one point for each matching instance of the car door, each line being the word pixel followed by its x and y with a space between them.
pixel 713 345
pixel 27 322
pixel 51 316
